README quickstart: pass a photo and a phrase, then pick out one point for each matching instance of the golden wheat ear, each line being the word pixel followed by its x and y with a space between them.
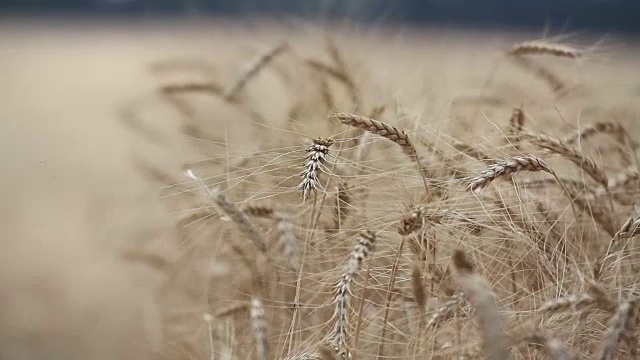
pixel 259 328
pixel 545 48
pixel 317 157
pixel 360 253
pixel 504 167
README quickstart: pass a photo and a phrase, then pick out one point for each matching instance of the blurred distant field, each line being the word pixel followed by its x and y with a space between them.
pixel 81 115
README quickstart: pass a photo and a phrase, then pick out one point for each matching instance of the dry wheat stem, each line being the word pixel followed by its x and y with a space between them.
pixel 496 344
pixel 537 47
pixel 361 252
pixel 253 69
pixel 244 223
pixel 316 158
pixel 259 328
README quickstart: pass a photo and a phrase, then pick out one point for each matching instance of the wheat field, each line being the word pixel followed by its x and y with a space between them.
pixel 296 191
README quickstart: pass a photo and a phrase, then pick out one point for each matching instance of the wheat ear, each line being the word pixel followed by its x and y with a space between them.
pixel 259 328
pixel 360 253
pixel 579 302
pixel 516 124
pixel 537 47
pixel 599 127
pixel 513 165
pixel 287 239
pixel 496 344
pixel 623 178
pixel 447 310
pixel 386 131
pixel 285 229
pixel 253 69
pixel 316 158
pixel 505 167
pixel 244 222
pixel 559 147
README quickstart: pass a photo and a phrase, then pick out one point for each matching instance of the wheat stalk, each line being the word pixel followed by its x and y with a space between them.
pixel 316 158
pixel 361 252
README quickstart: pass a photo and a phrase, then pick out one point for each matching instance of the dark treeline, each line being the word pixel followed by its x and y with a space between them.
pixel 603 15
